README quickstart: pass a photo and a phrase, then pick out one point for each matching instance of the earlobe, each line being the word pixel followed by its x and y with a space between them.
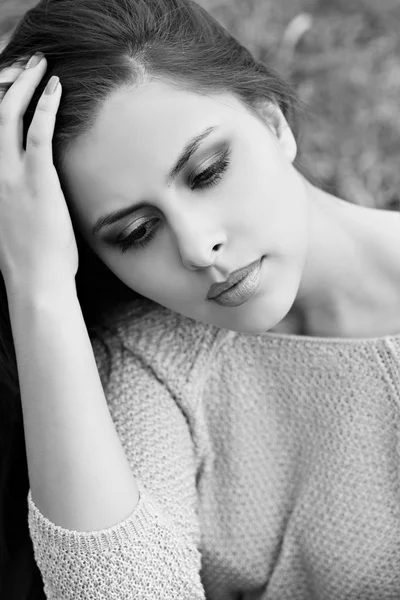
pixel 288 143
pixel 277 122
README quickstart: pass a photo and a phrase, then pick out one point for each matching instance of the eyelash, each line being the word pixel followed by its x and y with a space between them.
pixel 214 172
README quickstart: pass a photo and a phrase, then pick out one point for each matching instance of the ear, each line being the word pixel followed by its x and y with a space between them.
pixel 273 117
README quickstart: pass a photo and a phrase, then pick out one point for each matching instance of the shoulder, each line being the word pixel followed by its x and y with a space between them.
pixel 173 346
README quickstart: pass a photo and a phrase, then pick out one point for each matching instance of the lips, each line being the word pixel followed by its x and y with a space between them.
pixel 217 288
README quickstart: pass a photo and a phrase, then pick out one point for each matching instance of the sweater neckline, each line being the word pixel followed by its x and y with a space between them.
pixel 313 339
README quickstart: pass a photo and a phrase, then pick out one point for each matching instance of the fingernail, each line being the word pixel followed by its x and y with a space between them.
pixel 34 60
pixel 52 85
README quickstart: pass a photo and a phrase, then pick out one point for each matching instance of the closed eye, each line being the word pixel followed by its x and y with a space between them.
pixel 207 178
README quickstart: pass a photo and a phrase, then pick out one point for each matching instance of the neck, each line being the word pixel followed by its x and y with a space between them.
pixel 351 280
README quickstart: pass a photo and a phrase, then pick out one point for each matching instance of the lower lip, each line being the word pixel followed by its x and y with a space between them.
pixel 244 290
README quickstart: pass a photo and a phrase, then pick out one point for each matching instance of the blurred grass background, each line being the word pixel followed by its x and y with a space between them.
pixel 343 57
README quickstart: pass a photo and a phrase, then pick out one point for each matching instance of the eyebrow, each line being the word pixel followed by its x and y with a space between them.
pixel 183 159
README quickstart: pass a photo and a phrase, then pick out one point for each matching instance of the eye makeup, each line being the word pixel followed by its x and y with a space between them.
pixel 205 179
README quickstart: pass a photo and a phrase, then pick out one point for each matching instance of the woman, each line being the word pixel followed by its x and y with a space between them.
pixel 229 428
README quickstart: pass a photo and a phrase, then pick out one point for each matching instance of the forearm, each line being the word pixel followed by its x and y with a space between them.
pixel 79 475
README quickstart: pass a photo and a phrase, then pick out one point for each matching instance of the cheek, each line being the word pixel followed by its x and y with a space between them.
pixel 125 268
pixel 284 214
pixel 152 275
pixel 145 281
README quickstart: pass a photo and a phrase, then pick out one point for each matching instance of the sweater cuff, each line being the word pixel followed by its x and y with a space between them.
pixel 132 529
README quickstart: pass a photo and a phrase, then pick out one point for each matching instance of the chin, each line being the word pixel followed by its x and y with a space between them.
pixel 252 329
pixel 259 319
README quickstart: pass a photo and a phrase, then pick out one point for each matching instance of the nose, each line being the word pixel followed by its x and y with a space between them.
pixel 199 246
pixel 202 259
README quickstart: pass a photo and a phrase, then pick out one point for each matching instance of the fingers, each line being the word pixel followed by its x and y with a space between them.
pixel 7 77
pixel 13 106
pixel 39 149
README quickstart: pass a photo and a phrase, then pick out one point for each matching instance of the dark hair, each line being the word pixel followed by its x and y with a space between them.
pixel 95 47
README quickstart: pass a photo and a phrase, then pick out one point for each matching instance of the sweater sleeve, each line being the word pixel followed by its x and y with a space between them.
pixel 154 552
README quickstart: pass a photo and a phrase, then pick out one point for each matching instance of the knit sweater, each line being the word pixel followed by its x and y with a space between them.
pixel 267 467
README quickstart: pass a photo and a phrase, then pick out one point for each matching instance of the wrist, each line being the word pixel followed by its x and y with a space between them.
pixel 40 295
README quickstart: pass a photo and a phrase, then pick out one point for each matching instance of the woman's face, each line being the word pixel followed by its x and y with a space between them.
pixel 237 199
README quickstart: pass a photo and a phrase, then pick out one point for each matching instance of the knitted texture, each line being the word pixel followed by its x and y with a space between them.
pixel 267 466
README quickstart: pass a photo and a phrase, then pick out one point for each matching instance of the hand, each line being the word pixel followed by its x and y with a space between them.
pixel 37 244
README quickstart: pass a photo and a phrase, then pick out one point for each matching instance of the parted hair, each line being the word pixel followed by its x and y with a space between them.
pixel 95 47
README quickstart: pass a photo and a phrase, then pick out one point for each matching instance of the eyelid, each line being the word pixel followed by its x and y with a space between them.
pixel 223 153
pixel 217 156
pixel 214 159
pixel 138 222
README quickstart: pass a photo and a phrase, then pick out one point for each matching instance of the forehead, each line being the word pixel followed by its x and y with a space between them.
pixel 152 116
pixel 137 135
